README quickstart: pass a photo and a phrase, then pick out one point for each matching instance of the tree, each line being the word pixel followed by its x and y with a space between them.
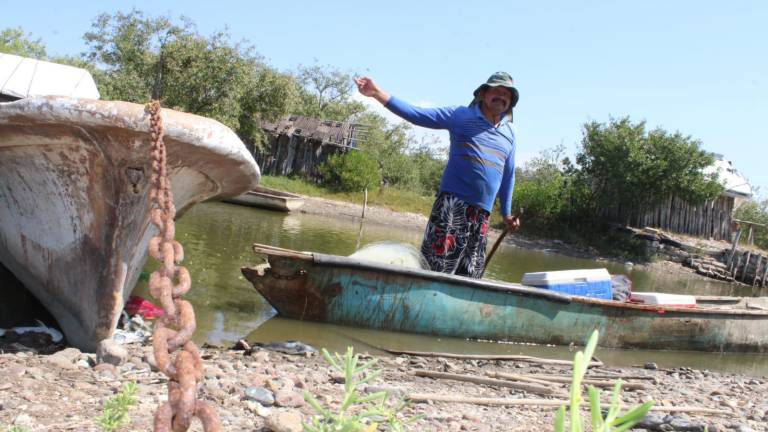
pixel 542 185
pixel 144 57
pixel 623 165
pixel 387 145
pixel 326 93
pixel 15 41
pixel 351 172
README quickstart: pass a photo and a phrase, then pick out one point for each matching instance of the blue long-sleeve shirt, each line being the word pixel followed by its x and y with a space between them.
pixel 481 161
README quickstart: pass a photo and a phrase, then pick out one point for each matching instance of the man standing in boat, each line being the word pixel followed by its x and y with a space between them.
pixel 481 165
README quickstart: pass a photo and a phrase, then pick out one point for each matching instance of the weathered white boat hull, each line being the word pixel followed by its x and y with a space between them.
pixel 74 207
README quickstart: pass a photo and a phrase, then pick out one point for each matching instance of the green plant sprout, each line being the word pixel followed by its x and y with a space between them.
pixel 116 408
pixel 357 413
pixel 612 422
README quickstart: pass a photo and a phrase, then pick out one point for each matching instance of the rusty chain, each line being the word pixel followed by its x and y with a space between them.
pixel 174 330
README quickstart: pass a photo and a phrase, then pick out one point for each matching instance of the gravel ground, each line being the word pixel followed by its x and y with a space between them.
pixel 66 391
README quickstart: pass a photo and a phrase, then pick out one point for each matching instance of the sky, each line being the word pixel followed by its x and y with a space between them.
pixel 697 67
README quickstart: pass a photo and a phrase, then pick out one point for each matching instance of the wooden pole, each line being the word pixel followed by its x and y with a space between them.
pixel 511 357
pixel 493 250
pixel 545 379
pixel 735 243
pixel 365 203
pixel 568 379
pixel 529 387
pixel 424 397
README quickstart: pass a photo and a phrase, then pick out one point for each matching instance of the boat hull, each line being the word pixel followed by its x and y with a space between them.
pixel 268 198
pixel 74 181
pixel 341 290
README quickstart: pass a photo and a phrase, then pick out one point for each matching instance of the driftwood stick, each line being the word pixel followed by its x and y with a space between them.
pixel 532 388
pixel 511 357
pixel 517 377
pixel 424 397
pixel 594 382
pixel 623 376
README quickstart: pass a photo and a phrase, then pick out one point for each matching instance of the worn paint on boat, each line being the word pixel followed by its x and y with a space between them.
pixel 335 289
pixel 74 207
pixel 268 198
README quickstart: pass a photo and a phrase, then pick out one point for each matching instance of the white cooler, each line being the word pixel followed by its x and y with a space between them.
pixel 654 298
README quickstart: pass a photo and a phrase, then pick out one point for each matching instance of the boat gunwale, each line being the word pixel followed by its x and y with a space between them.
pixel 326 260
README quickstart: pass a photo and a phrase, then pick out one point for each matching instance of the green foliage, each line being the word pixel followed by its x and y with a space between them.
pixel 428 167
pixel 404 163
pixel 624 165
pixel 351 171
pixel 357 413
pixel 326 93
pixel 611 422
pixel 116 408
pixel 15 41
pixel 17 429
pixel 142 57
pixel 755 210
pixel 540 187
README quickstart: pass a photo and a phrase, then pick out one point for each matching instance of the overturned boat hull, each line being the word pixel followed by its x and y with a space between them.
pixel 342 290
pixel 74 207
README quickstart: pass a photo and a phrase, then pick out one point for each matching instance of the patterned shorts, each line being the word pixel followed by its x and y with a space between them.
pixel 455 237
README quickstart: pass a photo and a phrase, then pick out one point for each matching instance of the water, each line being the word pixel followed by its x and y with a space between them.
pixel 217 239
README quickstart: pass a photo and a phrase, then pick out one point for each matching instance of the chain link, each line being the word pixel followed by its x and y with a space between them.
pixel 174 330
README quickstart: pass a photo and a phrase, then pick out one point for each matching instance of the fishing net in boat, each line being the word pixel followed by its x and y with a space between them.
pixel 389 252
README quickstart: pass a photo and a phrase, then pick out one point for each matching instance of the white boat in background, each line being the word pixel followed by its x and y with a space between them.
pixel 74 205
pixel 268 198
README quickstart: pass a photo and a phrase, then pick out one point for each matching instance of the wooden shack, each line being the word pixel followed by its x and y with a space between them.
pixel 711 219
pixel 298 145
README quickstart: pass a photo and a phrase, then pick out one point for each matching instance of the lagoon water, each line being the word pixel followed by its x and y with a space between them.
pixel 217 239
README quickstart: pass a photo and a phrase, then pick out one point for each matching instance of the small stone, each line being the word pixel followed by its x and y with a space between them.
pixel 111 352
pixel 60 362
pixel 651 366
pixel 681 424
pixel 288 398
pixel 261 357
pixel 285 421
pixel 260 395
pixel 72 354
pixel 391 391
pixel 258 409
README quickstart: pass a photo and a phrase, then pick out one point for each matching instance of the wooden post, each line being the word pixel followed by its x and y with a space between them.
pixel 765 273
pixel 750 238
pixel 733 247
pixel 757 269
pixel 746 266
pixel 365 203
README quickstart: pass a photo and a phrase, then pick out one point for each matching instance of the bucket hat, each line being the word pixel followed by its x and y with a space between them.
pixel 498 79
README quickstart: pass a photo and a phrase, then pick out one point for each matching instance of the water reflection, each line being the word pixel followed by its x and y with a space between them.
pixel 217 241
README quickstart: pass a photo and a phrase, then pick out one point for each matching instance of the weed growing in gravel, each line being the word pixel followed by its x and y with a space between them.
pixel 612 422
pixel 17 429
pixel 357 413
pixel 116 408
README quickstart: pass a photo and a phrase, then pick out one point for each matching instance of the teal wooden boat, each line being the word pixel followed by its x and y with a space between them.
pixel 342 290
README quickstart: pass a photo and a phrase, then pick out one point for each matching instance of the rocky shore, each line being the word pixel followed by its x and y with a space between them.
pixel 261 389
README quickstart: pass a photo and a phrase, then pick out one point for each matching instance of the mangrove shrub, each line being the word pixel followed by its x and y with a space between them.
pixel 351 172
